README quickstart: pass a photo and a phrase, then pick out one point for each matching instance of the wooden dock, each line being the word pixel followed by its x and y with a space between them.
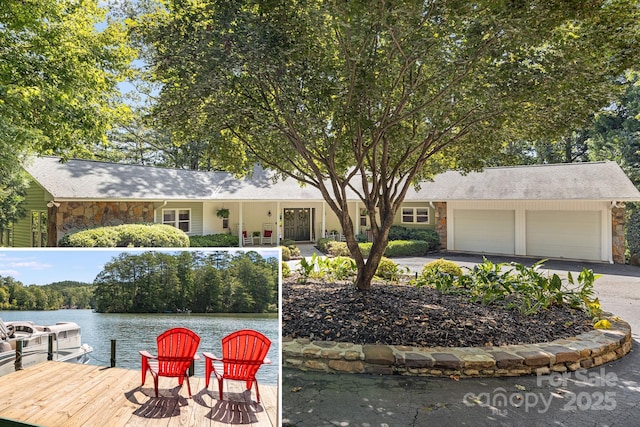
pixel 65 394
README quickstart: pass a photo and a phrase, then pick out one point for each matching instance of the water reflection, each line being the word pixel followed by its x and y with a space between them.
pixel 134 332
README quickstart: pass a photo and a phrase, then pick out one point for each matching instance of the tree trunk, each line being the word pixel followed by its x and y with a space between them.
pixel 367 271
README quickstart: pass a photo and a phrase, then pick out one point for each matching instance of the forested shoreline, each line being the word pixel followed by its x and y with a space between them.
pixel 67 294
pixel 200 282
pixel 157 282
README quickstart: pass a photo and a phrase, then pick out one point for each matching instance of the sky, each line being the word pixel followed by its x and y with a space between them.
pixel 45 266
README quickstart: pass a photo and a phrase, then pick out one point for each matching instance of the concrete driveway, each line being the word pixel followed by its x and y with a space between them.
pixel 608 395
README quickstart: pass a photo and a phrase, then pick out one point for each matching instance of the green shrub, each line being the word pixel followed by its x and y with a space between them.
pixel 341 267
pixel 214 240
pixel 323 244
pixel 429 235
pixel 398 248
pixel 442 266
pixel 519 287
pixel 286 253
pixel 362 238
pixel 286 271
pixel 337 248
pixel 128 235
pixel 388 270
pixel 633 232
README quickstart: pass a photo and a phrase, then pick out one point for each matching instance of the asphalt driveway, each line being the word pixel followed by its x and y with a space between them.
pixel 608 395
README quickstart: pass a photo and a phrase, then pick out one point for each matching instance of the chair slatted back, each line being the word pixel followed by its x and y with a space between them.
pixel 243 352
pixel 176 349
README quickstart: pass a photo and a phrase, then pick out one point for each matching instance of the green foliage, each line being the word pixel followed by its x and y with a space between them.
pixel 15 296
pixel 389 270
pixel 516 286
pixel 127 235
pixel 213 241
pixel 289 250
pixel 286 253
pixel 633 232
pixel 286 271
pixel 323 244
pixel 394 248
pixel 442 266
pixel 418 85
pixel 340 267
pixel 397 248
pixel 204 282
pixel 400 232
pixel 61 65
pixel 306 268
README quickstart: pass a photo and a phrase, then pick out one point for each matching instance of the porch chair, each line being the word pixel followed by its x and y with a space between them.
pixel 176 351
pixel 267 234
pixel 243 352
pixel 246 239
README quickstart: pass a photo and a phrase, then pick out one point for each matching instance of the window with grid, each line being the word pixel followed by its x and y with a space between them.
pixel 179 218
pixel 415 215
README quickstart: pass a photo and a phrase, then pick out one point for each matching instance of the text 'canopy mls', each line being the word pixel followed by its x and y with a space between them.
pixel 394 91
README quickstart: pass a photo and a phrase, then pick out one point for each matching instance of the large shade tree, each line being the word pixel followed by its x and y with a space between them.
pixel 60 65
pixel 371 97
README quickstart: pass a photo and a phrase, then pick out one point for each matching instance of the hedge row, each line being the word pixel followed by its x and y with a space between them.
pixel 127 235
pixel 396 248
pixel 214 240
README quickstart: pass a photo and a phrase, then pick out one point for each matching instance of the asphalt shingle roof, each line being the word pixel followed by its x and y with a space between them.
pixel 85 179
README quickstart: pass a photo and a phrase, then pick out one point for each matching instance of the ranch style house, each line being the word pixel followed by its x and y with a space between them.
pixel 572 211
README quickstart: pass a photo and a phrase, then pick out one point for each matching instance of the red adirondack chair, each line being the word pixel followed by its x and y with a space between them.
pixel 176 351
pixel 243 352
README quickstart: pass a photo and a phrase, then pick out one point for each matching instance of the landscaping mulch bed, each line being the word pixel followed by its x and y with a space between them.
pixel 407 315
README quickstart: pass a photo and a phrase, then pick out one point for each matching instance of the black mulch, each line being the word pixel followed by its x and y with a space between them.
pixel 423 317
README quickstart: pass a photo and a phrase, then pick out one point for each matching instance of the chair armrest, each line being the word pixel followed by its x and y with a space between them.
pixel 267 361
pixel 196 356
pixel 210 356
pixel 146 354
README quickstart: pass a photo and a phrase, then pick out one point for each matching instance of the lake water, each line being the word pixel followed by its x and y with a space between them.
pixel 134 332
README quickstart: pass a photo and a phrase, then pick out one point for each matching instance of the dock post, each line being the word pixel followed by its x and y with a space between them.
pixel 192 368
pixel 113 353
pixel 18 362
pixel 50 348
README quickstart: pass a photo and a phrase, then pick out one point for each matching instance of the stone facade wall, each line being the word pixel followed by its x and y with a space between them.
pixel 582 352
pixel 441 223
pixel 617 237
pixel 74 216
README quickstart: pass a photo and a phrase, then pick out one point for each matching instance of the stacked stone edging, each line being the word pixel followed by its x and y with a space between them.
pixel 570 354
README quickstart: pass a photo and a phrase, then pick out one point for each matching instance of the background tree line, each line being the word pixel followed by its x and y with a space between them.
pixel 212 282
pixel 15 296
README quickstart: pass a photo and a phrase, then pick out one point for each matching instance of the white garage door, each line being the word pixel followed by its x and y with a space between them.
pixel 490 231
pixel 564 234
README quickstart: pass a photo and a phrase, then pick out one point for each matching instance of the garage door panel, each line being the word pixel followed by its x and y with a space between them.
pixel 490 231
pixel 564 234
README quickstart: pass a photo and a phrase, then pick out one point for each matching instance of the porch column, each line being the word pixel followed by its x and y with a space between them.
pixel 357 218
pixel 240 241
pixel 278 223
pixel 324 218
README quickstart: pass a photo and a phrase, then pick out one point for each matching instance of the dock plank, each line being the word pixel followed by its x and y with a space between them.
pixel 55 394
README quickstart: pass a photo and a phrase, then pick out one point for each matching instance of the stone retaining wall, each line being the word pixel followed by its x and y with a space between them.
pixel 584 351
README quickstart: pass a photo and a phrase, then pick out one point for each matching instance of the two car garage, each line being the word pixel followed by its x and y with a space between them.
pixel 526 230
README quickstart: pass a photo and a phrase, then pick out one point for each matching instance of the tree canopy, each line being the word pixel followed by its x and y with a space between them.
pixel 371 97
pixel 202 282
pixel 60 65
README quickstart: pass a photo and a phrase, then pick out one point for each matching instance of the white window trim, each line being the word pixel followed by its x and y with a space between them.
pixel 177 218
pixel 414 215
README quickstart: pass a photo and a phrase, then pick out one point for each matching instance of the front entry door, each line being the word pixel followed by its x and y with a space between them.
pixel 296 224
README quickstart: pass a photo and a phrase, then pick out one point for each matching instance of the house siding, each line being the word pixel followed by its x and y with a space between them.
pixel 196 215
pixel 36 200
